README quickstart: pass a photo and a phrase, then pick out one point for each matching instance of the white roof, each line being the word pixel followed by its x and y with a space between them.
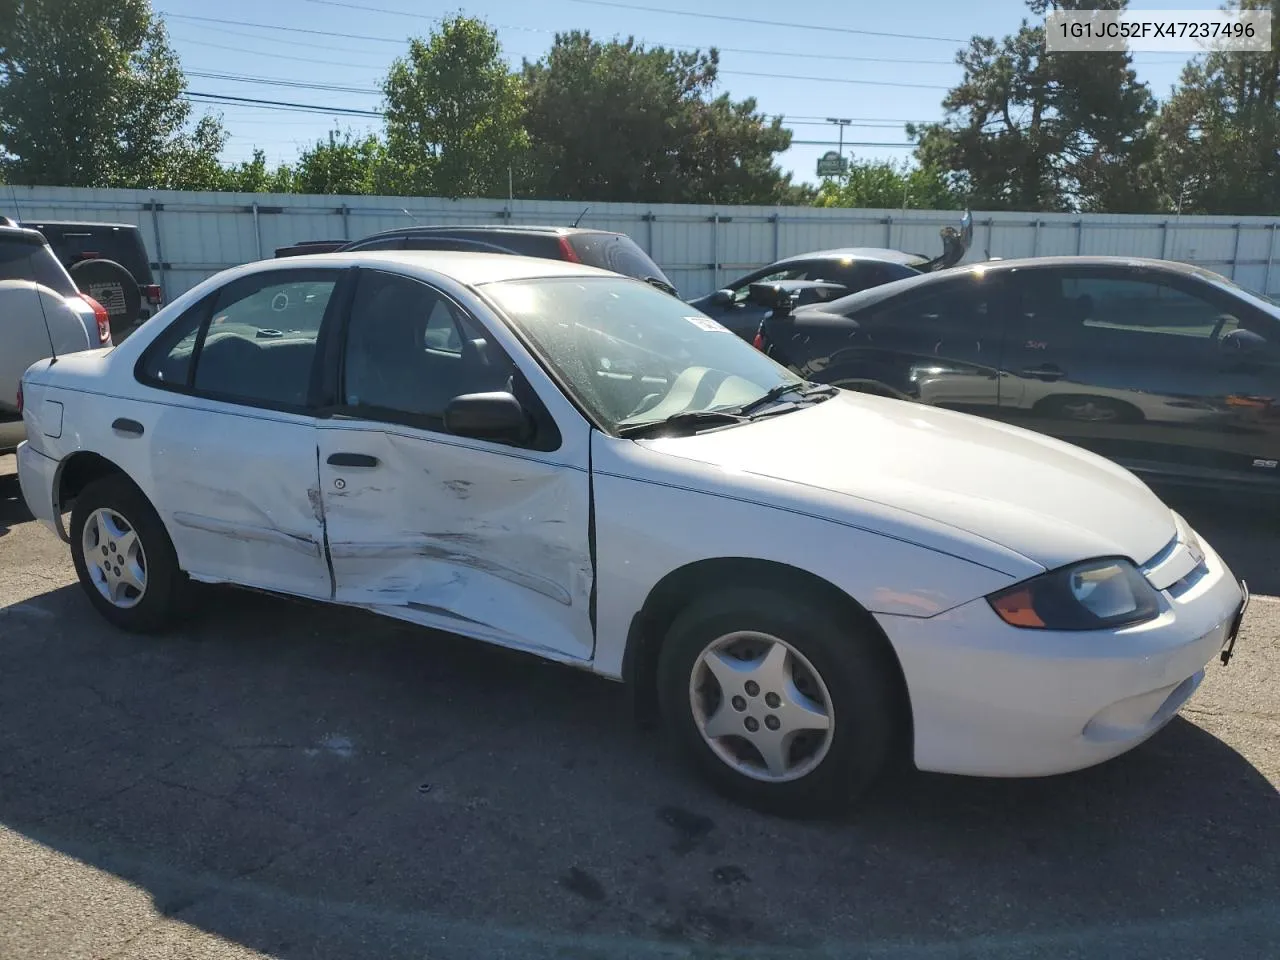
pixel 471 269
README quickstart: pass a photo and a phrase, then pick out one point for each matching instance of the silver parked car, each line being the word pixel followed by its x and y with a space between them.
pixel 42 315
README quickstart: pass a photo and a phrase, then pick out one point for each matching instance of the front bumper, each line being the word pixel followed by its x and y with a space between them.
pixel 989 699
pixel 37 475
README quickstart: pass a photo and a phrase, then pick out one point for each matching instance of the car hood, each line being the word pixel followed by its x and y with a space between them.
pixel 1049 501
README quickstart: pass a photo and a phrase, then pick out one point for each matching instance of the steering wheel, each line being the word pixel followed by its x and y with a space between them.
pixel 1219 324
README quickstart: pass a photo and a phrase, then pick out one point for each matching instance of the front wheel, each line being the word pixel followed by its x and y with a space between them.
pixel 785 704
pixel 124 557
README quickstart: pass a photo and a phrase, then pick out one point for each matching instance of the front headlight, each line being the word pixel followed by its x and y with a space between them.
pixel 1094 595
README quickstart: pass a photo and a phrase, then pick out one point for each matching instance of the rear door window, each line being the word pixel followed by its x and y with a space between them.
pixel 24 260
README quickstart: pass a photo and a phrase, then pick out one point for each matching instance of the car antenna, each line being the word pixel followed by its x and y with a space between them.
pixel 16 209
pixel 582 214
pixel 409 215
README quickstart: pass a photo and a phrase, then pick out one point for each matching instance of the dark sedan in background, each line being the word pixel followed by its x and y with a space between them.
pixel 1169 369
pixel 824 275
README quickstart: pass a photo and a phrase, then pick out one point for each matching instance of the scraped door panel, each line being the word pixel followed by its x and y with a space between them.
pixel 486 540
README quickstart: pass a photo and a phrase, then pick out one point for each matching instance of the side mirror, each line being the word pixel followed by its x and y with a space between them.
pixel 774 296
pixel 1242 341
pixel 488 416
pixel 722 298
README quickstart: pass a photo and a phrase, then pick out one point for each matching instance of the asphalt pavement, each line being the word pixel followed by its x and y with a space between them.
pixel 297 781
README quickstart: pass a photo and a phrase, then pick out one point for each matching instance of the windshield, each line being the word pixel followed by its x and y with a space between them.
pixel 1260 300
pixel 630 353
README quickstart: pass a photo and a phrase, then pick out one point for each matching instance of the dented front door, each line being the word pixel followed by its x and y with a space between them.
pixel 458 534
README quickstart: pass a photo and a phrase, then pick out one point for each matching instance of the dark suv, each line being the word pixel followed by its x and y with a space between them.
pixel 596 248
pixel 109 262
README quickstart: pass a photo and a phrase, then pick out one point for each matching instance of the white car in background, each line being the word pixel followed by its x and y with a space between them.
pixel 554 458
pixel 42 315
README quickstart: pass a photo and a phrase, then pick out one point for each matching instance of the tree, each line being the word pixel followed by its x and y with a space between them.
pixel 618 121
pixel 453 114
pixel 252 176
pixel 1031 130
pixel 91 95
pixel 883 185
pixel 344 164
pixel 1219 134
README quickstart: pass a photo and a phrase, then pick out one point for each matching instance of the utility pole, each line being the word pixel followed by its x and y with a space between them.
pixel 841 123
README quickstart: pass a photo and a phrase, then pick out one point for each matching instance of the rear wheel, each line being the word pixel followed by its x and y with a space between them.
pixel 124 557
pixel 783 703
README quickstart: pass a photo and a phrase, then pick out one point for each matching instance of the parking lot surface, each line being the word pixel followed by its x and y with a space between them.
pixel 294 780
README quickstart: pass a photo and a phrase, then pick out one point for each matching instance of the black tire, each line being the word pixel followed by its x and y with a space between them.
pixel 856 668
pixel 115 288
pixel 166 585
pixel 1088 409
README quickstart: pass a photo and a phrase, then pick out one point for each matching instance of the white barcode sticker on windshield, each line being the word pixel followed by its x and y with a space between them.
pixel 706 323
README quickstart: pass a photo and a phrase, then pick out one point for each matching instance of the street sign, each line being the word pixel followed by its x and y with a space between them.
pixel 831 164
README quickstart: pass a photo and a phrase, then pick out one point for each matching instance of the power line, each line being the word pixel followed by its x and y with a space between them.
pixel 280 82
pixel 292 41
pixel 675 46
pixel 727 17
pixel 282 56
pixel 369 91
pixel 279 104
pixel 271 26
pixel 848 143
pixel 287 105
pixel 873 83
pixel 738 73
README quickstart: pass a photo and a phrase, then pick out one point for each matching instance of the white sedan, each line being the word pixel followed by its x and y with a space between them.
pixel 558 459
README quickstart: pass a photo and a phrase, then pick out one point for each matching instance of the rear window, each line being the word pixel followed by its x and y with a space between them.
pixel 21 260
pixel 619 253
pixel 73 243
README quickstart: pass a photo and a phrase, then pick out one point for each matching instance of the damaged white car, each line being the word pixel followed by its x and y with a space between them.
pixel 554 458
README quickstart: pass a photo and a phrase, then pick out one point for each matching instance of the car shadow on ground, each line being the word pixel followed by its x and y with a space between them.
pixel 13 510
pixel 312 782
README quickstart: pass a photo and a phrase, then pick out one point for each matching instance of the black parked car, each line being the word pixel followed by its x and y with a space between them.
pixel 109 262
pixel 596 248
pixel 1169 369
pixel 826 275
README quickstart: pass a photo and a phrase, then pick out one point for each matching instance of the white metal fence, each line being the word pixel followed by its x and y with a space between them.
pixel 191 236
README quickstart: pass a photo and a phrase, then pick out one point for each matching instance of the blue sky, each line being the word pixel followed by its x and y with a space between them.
pixel 808 72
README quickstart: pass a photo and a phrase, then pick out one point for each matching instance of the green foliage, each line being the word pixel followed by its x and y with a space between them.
pixel 618 121
pixel 252 176
pixel 882 184
pixel 1219 134
pixel 91 95
pixel 453 114
pixel 343 164
pixel 1030 130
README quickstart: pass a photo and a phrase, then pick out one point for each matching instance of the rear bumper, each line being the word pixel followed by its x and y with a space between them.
pixel 989 699
pixel 37 475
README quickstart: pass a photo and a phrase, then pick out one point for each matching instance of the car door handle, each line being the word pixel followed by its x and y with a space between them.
pixel 1046 372
pixel 126 426
pixel 352 460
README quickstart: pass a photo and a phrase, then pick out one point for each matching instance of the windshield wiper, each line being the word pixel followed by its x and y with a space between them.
pixel 661 285
pixel 804 388
pixel 695 419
